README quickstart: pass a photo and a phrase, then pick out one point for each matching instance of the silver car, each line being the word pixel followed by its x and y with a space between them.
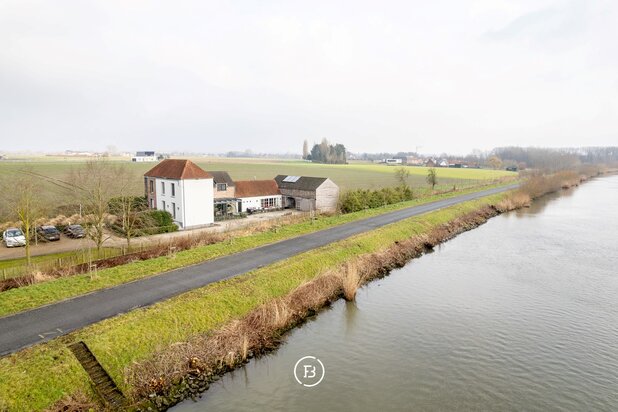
pixel 13 237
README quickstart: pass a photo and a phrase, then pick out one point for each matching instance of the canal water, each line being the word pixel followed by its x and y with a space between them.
pixel 520 314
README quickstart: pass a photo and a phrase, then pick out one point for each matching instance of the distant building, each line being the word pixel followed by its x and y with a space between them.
pixel 144 157
pixel 393 161
pixel 308 193
pixel 255 195
pixel 183 189
pixel 431 163
pixel 414 161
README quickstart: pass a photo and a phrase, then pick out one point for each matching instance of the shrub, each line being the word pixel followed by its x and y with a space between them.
pixel 359 199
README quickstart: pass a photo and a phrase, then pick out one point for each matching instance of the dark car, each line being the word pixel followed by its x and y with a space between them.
pixel 75 231
pixel 48 233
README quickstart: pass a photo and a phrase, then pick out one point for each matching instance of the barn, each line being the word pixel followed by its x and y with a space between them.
pixel 308 193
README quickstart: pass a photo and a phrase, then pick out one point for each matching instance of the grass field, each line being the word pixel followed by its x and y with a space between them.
pixel 350 176
pixel 35 378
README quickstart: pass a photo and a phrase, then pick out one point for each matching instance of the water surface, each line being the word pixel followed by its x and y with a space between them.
pixel 520 314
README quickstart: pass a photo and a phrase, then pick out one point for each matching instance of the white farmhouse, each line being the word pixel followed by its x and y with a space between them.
pixel 183 189
pixel 258 195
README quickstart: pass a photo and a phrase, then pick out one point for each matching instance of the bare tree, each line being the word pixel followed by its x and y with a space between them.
pixel 495 162
pixel 94 185
pixel 401 175
pixel 305 149
pixel 127 206
pixel 432 177
pixel 22 195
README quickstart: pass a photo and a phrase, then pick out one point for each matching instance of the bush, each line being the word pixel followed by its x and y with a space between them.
pixel 359 199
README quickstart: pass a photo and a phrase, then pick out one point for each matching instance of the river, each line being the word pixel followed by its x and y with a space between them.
pixel 519 314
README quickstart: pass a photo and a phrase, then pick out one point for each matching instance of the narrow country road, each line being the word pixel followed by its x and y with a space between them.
pixel 37 325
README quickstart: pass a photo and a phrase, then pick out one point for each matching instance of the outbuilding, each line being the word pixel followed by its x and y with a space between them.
pixel 183 189
pixel 258 195
pixel 306 193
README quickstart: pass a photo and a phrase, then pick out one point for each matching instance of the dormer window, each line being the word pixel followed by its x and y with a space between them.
pixel 221 187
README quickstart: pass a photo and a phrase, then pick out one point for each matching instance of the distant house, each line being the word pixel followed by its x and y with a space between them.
pixel 307 193
pixel 393 161
pixel 183 189
pixel 443 163
pixel 414 161
pixel 431 163
pixel 258 195
pixel 144 157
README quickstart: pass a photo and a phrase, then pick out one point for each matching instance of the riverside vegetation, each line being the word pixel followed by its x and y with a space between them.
pixel 166 352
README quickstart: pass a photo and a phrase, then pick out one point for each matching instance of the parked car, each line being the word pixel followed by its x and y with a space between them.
pixel 75 231
pixel 48 233
pixel 13 237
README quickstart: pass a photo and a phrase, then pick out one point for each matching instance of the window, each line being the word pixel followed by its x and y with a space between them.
pixel 173 190
pixel 151 185
pixel 268 203
pixel 221 187
pixel 151 202
pixel 164 205
pixel 163 188
pixel 173 204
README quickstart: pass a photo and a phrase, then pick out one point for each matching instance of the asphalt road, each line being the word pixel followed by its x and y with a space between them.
pixel 47 322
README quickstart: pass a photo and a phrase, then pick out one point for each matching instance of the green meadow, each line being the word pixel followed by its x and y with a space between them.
pixel 351 176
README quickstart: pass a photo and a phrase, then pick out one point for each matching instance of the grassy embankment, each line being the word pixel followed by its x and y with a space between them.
pixel 39 294
pixel 36 378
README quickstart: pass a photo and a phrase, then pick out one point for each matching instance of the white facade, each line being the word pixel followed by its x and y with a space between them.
pixel 393 161
pixel 261 202
pixel 189 201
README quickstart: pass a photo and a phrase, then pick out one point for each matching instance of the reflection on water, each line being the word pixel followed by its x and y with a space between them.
pixel 519 314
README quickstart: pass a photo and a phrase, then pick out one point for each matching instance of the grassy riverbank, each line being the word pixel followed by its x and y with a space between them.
pixel 28 297
pixel 36 378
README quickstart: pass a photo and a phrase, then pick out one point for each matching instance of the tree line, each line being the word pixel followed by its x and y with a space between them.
pixel 324 152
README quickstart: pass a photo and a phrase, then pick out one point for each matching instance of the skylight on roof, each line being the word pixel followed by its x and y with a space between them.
pixel 291 179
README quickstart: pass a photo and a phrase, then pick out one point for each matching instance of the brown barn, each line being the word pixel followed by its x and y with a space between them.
pixel 308 193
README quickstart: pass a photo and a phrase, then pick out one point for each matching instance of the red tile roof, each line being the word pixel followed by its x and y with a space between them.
pixel 178 169
pixel 254 188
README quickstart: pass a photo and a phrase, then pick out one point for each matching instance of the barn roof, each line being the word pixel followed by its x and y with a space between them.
pixel 221 177
pixel 299 182
pixel 254 188
pixel 178 169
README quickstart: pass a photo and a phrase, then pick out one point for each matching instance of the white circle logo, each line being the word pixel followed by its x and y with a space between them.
pixel 309 371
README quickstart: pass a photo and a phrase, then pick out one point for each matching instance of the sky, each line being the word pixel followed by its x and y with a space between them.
pixel 378 76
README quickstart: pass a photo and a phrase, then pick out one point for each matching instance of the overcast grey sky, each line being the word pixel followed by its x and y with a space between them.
pixel 374 75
